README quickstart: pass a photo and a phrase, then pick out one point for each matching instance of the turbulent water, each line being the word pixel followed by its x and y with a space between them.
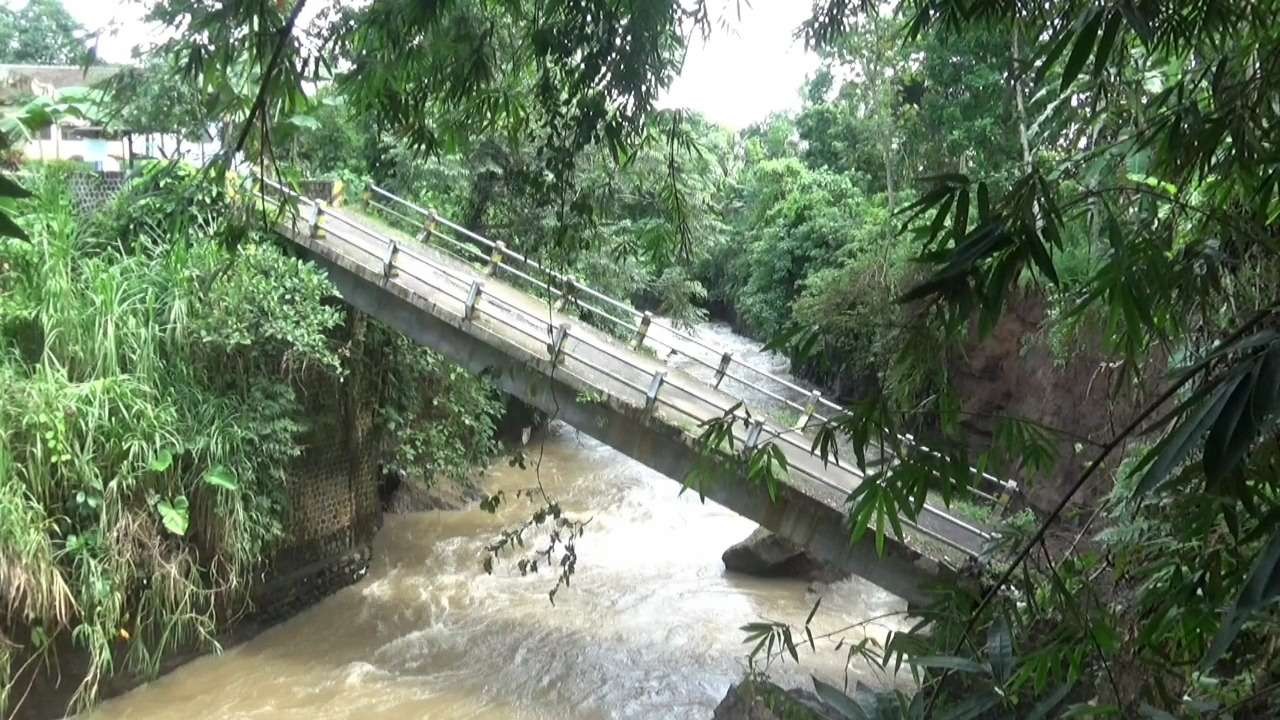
pixel 649 628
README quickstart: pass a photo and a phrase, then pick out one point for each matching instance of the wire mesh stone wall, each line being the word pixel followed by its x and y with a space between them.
pixel 92 190
pixel 334 509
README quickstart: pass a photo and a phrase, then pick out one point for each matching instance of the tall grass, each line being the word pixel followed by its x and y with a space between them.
pixel 148 409
pixel 154 365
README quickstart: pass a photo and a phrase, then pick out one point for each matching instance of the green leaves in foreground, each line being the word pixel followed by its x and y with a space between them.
pixel 174 514
pixel 975 263
pixel 768 466
pixel 1226 413
pixel 220 477
pixel 1260 590
pixel 162 461
pixel 1224 417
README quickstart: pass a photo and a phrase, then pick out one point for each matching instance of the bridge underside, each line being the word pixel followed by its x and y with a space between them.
pixel 801 514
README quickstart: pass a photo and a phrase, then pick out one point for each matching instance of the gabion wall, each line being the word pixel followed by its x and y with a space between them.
pixel 92 190
pixel 334 509
pixel 332 489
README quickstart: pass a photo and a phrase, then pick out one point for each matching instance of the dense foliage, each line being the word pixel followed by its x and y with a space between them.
pixel 42 32
pixel 1141 207
pixel 1111 162
pixel 1110 165
pixel 161 366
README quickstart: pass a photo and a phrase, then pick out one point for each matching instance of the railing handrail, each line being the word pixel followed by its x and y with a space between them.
pixel 905 438
pixel 782 435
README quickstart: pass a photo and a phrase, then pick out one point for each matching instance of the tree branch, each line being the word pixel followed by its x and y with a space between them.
pixel 260 100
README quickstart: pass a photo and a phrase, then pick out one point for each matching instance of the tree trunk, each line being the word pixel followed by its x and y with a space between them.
pixel 1018 97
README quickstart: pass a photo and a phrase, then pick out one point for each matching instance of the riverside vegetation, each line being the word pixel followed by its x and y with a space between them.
pixel 1107 169
pixel 155 363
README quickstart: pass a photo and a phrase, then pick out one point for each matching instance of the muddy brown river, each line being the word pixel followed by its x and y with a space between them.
pixel 649 628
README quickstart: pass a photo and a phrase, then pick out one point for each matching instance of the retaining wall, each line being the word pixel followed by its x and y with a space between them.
pixel 333 514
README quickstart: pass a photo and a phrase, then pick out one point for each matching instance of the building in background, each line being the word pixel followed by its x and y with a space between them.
pixel 92 141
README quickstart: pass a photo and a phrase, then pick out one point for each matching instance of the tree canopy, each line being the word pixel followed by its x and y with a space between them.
pixel 42 32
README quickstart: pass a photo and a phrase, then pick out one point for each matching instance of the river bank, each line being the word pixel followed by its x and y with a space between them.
pixel 649 629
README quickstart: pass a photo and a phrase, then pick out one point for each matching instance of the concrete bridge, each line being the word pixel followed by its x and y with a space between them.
pixel 476 302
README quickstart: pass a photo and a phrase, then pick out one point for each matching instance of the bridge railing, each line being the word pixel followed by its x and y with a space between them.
pixel 558 339
pixel 638 324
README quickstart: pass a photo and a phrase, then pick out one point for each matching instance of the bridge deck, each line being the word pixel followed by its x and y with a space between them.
pixel 465 296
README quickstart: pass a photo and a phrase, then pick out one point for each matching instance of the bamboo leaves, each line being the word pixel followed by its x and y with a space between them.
pixel 979 263
pixel 1230 408
pixel 767 466
pixel 1262 588
pixel 1082 48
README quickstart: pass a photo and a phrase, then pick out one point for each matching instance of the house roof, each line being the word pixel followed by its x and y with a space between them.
pixel 21 82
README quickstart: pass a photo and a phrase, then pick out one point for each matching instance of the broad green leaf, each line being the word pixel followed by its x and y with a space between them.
pixel 949 662
pixel 960 217
pixel 1106 43
pixel 1260 589
pixel 9 228
pixel 1170 451
pixel 970 707
pixel 161 462
pixel 174 515
pixel 221 477
pixel 1049 702
pixel 1081 50
pixel 9 188
pixel 848 708
pixel 306 122
pixel 814 611
pixel 1059 46
pixel 1151 713
pixel 1233 431
pixel 1000 649
pixel 1090 710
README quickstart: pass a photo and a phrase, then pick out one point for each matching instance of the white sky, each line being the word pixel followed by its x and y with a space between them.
pixel 751 66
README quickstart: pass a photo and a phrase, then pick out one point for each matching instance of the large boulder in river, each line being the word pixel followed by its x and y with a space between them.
pixel 767 555
pixel 762 700
pixel 413 494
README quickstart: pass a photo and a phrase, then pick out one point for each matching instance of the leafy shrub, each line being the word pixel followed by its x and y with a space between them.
pixel 441 419
pixel 148 408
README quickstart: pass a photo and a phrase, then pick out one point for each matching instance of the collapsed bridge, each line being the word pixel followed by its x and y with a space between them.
pixel 476 302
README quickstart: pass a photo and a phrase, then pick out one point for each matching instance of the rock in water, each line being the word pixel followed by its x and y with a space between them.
pixel 767 555
pixel 762 700
pixel 413 495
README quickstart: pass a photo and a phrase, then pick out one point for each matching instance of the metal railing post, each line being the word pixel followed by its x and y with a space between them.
pixel 495 258
pixel 566 296
pixel 724 368
pixel 655 385
pixel 388 262
pixel 753 437
pixel 312 219
pixel 473 296
pixel 313 222
pixel 557 343
pixel 644 330
pixel 810 407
